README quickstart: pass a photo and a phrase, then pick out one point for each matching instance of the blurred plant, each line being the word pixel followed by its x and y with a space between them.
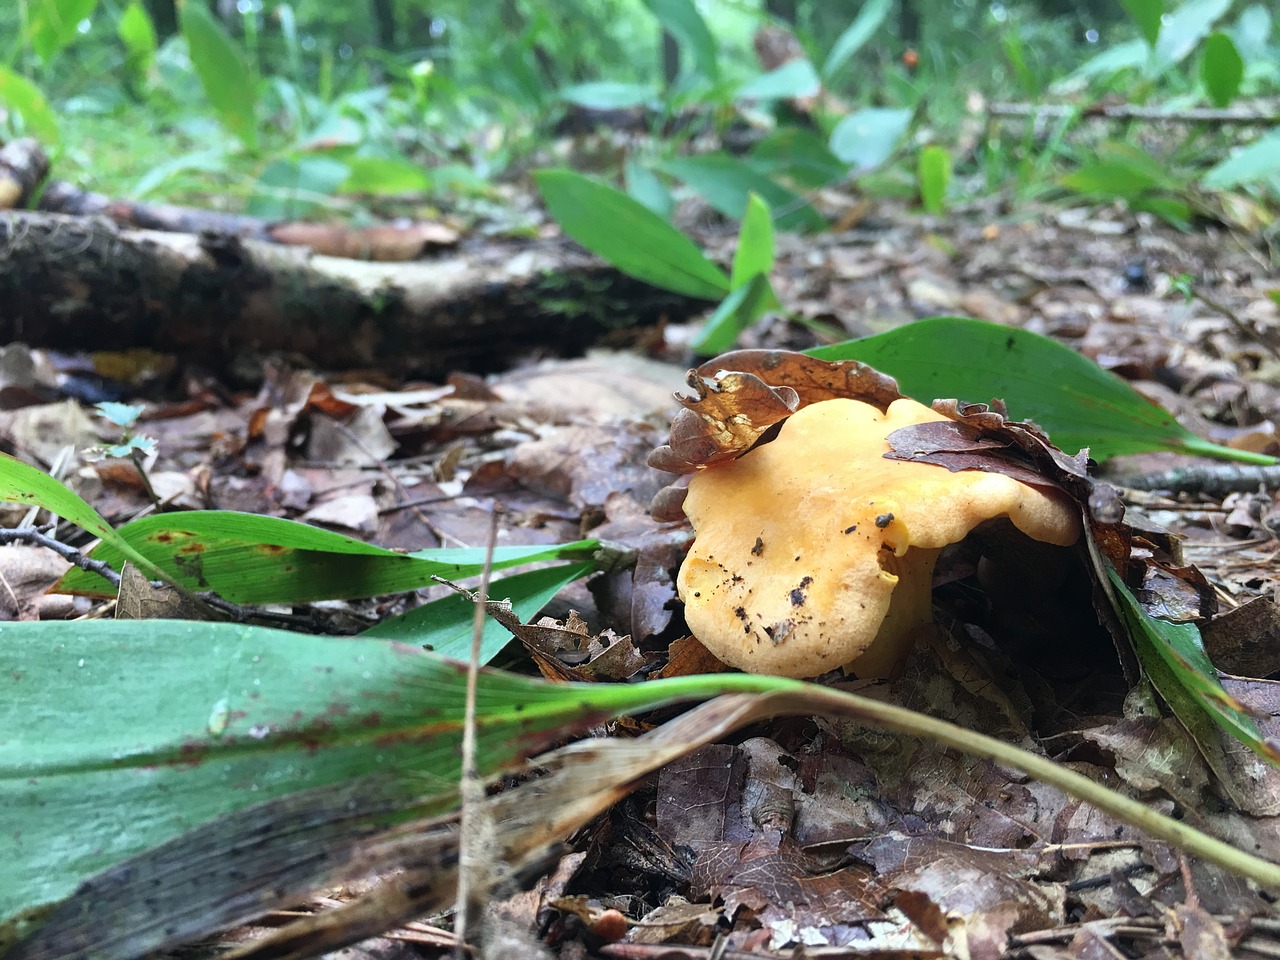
pixel 1119 171
pixel 134 447
pixel 640 243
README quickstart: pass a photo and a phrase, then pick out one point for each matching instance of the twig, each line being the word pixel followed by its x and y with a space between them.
pixel 1128 111
pixel 68 553
pixel 471 788
pixel 1214 479
pixel 1241 327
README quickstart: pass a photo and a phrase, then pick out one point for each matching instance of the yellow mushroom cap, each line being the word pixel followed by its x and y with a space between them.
pixel 800 543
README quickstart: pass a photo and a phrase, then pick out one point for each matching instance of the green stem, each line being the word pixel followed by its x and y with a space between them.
pixel 793 697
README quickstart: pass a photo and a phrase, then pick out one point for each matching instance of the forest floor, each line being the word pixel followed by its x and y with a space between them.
pixel 892 847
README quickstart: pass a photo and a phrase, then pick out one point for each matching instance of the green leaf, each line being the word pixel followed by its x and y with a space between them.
pixel 246 761
pixel 24 97
pixel 246 558
pixel 1252 35
pixel 644 186
pixel 743 307
pixel 222 70
pixel 1077 402
pixel 754 254
pixel 55 23
pixel 607 95
pixel 870 16
pixel 1183 29
pixel 121 414
pixel 290 188
pixel 725 182
pixel 120 737
pixel 1221 69
pixel 23 483
pixel 1172 655
pixel 867 138
pixel 682 19
pixel 798 155
pixel 445 625
pixel 138 35
pixel 1120 171
pixel 1257 161
pixel 628 235
pixel 1015 52
pixel 795 78
pixel 384 176
pixel 1130 55
pixel 934 173
pixel 1112 181
pixel 1147 15
pixel 1175 212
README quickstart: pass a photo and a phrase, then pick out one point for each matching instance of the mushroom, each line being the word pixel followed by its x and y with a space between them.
pixel 813 551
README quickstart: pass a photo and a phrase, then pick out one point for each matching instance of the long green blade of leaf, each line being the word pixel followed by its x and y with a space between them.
pixel 446 624
pixel 870 16
pixel 754 253
pixel 118 738
pixel 246 558
pixel 22 483
pixel 222 70
pixel 1077 402
pixel 118 741
pixel 630 236
pixel 1173 656
pixel 726 182
pixel 685 23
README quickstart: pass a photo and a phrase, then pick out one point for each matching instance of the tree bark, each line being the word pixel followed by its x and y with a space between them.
pixel 83 283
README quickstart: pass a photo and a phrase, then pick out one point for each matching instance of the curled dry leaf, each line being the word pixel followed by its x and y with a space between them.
pixel 740 395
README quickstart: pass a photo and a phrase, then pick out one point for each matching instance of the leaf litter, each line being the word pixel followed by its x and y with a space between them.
pixel 866 839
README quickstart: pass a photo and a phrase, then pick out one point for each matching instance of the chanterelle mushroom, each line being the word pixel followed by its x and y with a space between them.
pixel 813 551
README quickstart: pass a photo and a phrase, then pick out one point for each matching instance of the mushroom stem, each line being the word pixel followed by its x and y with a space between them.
pixel 910 612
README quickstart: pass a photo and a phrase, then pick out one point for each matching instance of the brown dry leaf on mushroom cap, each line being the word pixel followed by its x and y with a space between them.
pixel 739 395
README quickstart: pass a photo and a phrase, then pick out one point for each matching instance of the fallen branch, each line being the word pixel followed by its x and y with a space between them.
pixel 84 283
pixel 1128 111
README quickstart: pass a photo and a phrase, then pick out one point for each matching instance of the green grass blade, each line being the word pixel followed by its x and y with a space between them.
pixel 629 235
pixel 246 558
pixel 22 483
pixel 1076 402
pixel 222 70
pixel 446 624
pixel 1173 656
